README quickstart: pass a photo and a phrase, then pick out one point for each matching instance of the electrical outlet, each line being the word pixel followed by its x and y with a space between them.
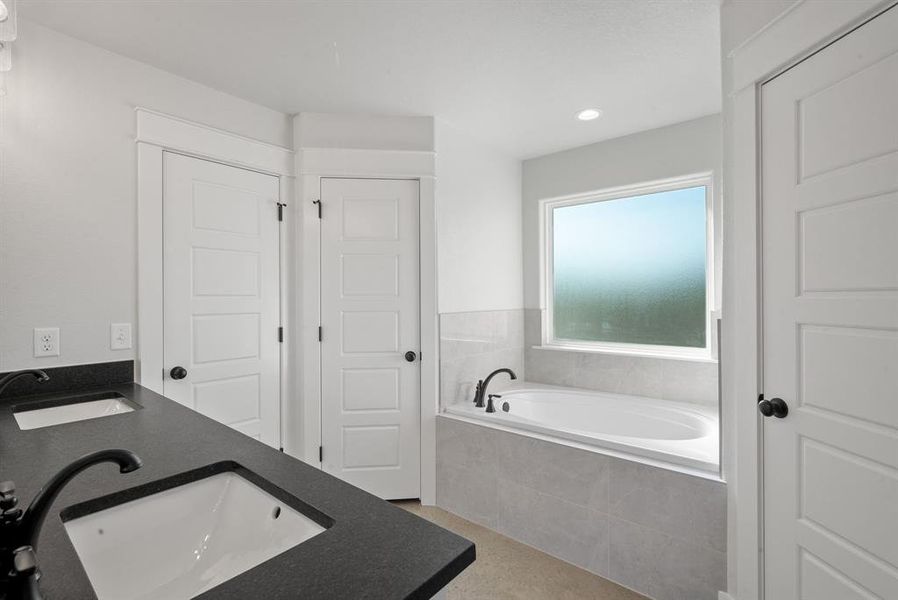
pixel 46 341
pixel 119 336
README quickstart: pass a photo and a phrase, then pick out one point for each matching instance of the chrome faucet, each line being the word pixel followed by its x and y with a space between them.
pixel 10 377
pixel 19 531
pixel 482 385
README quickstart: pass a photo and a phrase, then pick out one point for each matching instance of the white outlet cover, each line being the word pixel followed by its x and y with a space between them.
pixel 46 341
pixel 119 336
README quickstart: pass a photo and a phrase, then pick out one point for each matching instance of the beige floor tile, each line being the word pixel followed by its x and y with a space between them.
pixel 508 570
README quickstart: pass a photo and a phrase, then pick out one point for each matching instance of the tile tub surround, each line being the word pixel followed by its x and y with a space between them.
pixel 662 378
pixel 472 345
pixel 656 531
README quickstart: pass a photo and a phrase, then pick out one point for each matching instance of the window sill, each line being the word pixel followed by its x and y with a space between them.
pixel 701 358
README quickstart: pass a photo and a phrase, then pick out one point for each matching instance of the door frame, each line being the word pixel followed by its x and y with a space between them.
pixel 158 133
pixel 800 31
pixel 313 165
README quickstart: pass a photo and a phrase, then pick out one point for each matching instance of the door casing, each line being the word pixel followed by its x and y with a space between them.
pixel 158 133
pixel 314 164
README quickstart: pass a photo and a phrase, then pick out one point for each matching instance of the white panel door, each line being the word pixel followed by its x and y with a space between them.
pixel 830 318
pixel 370 390
pixel 221 293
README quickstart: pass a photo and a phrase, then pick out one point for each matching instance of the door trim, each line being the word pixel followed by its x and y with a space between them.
pixel 158 133
pixel 314 164
pixel 803 29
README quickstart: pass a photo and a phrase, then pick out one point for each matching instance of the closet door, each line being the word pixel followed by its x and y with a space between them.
pixel 830 319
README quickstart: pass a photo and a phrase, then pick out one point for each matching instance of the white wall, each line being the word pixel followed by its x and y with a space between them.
pixel 680 149
pixel 740 20
pixel 478 192
pixel 68 187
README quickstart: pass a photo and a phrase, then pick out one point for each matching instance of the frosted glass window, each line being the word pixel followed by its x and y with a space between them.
pixel 632 270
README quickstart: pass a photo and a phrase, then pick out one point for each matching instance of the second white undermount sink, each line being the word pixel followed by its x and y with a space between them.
pixel 70 410
pixel 181 542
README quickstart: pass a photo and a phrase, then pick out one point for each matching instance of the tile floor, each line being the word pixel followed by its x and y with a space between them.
pixel 508 570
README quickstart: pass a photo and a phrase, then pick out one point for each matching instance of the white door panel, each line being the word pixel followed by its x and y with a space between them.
pixel 830 320
pixel 221 293
pixel 370 423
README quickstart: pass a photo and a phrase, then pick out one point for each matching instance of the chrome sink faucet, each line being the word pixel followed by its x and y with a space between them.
pixel 483 384
pixel 19 530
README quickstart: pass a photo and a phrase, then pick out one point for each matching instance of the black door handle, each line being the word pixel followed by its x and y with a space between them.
pixel 410 356
pixel 178 373
pixel 775 407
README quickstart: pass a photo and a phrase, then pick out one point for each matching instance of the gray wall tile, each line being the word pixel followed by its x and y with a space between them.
pixel 661 378
pixel 683 506
pixel 563 529
pixel 472 345
pixel 567 473
pixel 469 446
pixel 468 493
pixel 550 366
pixel 661 566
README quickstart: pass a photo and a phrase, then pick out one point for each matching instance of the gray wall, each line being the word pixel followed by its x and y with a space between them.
pixel 659 532
pixel 473 344
pixel 680 149
pixel 673 151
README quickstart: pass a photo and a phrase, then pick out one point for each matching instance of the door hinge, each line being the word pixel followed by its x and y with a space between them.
pixel 318 202
pixel 320 333
pixel 320 453
pixel 280 334
pixel 281 206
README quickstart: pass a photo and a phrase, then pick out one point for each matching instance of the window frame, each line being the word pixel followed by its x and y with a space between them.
pixel 547 278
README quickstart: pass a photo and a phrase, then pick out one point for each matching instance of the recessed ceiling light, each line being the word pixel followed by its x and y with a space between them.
pixel 589 114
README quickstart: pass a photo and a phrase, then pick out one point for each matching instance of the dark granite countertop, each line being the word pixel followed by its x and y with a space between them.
pixel 373 550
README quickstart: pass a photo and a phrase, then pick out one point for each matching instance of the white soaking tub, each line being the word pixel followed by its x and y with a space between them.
pixel 676 433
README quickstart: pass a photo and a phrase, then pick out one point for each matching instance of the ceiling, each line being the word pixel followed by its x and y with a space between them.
pixel 511 73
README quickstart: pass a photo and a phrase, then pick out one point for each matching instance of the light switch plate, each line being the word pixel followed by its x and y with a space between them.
pixel 46 341
pixel 119 336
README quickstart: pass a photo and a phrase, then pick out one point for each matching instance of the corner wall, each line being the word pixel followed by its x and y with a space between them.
pixel 478 191
pixel 68 188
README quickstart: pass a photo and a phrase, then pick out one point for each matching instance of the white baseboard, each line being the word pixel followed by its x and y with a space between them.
pixel 724 596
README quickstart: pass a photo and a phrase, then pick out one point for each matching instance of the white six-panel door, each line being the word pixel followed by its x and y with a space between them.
pixel 830 319
pixel 221 293
pixel 370 413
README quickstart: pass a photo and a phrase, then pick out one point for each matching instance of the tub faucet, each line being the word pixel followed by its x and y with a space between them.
pixel 482 387
pixel 490 407
pixel 9 378
pixel 19 531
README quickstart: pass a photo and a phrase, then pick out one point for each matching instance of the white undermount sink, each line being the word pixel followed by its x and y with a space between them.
pixel 181 542
pixel 69 410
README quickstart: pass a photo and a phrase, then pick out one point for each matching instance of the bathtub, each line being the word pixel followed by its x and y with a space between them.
pixel 671 433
